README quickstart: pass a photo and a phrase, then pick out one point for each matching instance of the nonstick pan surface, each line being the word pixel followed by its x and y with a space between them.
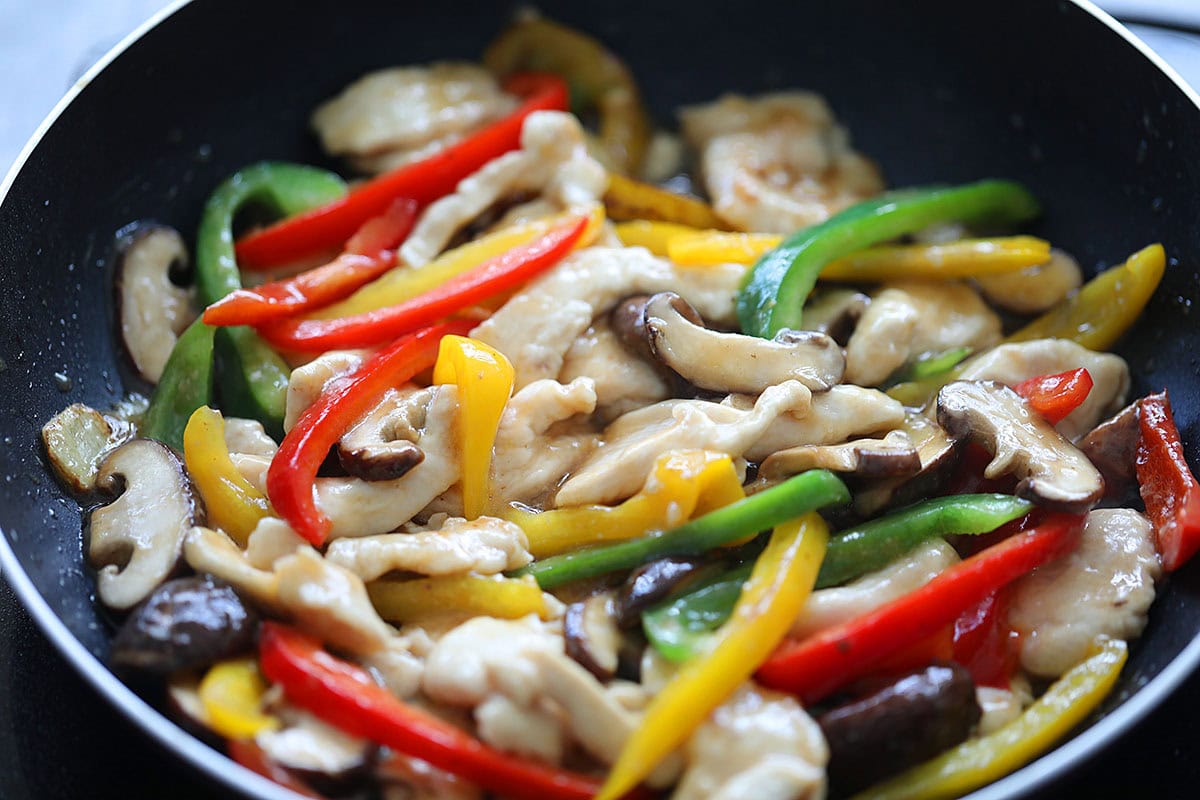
pixel 1045 92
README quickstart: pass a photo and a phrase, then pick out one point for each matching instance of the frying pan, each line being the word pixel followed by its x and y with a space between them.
pixel 1049 93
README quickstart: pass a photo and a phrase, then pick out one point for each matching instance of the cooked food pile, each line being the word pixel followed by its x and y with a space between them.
pixel 504 471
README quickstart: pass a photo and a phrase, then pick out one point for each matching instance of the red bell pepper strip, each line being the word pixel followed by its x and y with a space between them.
pixel 327 227
pixel 368 255
pixel 494 276
pixel 1168 488
pixel 1056 396
pixel 291 478
pixel 345 696
pixel 816 666
pixel 985 644
pixel 251 756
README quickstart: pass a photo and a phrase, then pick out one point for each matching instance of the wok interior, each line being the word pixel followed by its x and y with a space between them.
pixel 942 92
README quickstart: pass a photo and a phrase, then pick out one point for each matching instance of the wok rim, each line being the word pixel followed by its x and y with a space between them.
pixel 1063 759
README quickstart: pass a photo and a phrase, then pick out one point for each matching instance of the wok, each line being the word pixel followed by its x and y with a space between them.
pixel 1049 93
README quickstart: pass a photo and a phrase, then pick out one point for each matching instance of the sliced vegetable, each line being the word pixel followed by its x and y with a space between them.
pixel 985 644
pixel 680 483
pixel 494 276
pixel 781 581
pixel 1167 485
pixel 186 385
pixel 773 293
pixel 485 380
pixel 628 199
pixel 232 695
pixel 252 757
pixel 345 696
pixel 820 664
pixel 798 495
pixel 683 628
pixel 1056 396
pixel 329 226
pixel 291 478
pixel 977 762
pixel 232 502
pixel 507 598
pixel 934 365
pixel 653 235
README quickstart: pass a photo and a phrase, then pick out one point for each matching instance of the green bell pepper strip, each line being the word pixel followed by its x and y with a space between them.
pixel 933 365
pixel 977 762
pixel 797 495
pixel 773 293
pixel 253 377
pixel 680 628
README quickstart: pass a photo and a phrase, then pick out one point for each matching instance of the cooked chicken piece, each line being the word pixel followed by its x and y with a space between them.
pixel 778 162
pixel 520 729
pixel 539 324
pixel 1104 588
pixel 843 413
pixel 758 745
pixel 1012 363
pixel 623 381
pixel 829 607
pixel 1035 289
pixel 532 450
pixel 632 443
pixel 486 545
pixel 906 321
pixel 999 707
pixel 247 436
pixel 407 108
pixel 553 162
pixel 308 381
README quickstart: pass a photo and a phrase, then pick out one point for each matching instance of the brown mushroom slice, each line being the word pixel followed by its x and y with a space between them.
pixel 650 583
pixel 1112 448
pixel 732 362
pixel 381 446
pixel 835 312
pixel 1050 470
pixel 136 539
pixel 591 635
pixel 889 457
pixel 331 761
pixel 938 454
pixel 154 311
pixel 77 439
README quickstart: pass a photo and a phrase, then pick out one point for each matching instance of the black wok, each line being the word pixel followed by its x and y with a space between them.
pixel 1044 92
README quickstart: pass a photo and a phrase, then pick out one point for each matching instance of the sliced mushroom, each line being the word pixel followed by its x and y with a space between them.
pixel 136 539
pixel 649 584
pixel 332 762
pixel 154 311
pixel 835 312
pixel 1112 448
pixel 77 439
pixel 938 454
pixel 889 457
pixel 186 623
pixel 381 446
pixel 730 362
pixel 591 635
pixel 1050 470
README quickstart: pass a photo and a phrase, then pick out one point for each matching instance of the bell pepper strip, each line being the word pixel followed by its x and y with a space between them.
pixel 627 199
pixel 1056 396
pixel 325 284
pixel 978 762
pixel 473 595
pixel 232 695
pixel 797 495
pixel 600 83
pixel 772 295
pixel 231 502
pixel 344 695
pixel 814 667
pixel 652 235
pixel 674 491
pixel 679 627
pixel 401 285
pixel 329 226
pixel 984 642
pixel 877 543
pixel 1166 483
pixel 1105 307
pixel 500 274
pixel 186 385
pixel 931 366
pixel 781 581
pixel 252 757
pixel 484 378
pixel 291 478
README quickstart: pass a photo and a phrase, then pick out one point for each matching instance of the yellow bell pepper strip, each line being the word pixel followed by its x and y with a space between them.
pixel 420 598
pixel 630 199
pixel 404 284
pixel 232 502
pixel 678 483
pixel 598 81
pixel 977 762
pixel 654 236
pixel 1096 316
pixel 781 581
pixel 232 694
pixel 485 380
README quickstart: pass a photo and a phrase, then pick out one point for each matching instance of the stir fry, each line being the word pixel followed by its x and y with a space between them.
pixel 498 469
